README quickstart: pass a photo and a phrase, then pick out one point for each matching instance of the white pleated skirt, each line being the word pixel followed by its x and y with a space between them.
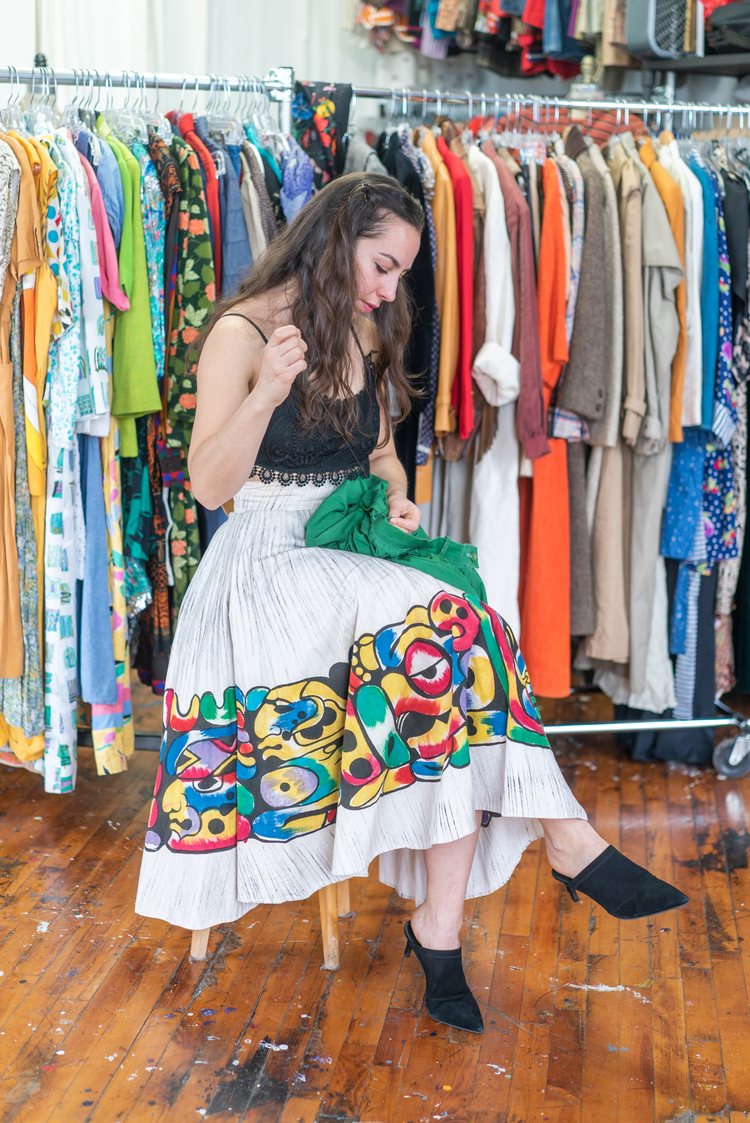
pixel 323 708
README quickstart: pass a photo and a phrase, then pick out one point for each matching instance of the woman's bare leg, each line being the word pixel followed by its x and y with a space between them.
pixel 437 921
pixel 571 845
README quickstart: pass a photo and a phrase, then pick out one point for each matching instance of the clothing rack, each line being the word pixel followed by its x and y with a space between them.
pixel 545 107
pixel 278 86
pixel 496 105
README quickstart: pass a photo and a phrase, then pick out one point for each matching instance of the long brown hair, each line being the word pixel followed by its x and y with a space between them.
pixel 316 250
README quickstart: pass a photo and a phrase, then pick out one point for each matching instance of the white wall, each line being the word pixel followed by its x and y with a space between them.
pixel 232 37
pixel 245 37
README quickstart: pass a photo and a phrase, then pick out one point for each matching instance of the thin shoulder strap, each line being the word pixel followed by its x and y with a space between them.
pixel 366 359
pixel 242 316
pixel 359 345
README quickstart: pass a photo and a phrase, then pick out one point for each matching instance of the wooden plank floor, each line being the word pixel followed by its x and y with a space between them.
pixel 103 1017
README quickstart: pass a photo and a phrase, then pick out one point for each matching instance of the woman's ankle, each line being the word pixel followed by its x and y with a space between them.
pixel 571 844
pixel 435 930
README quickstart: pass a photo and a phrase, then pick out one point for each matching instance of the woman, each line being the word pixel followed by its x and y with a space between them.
pixel 324 707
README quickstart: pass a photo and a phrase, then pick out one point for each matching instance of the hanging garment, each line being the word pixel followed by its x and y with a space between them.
pixel 426 428
pixel 696 745
pixel 297 176
pixel 478 325
pixel 21 708
pixel 236 254
pixel 109 272
pixel 21 699
pixel 51 309
pixel 530 416
pixel 269 181
pixel 65 355
pixel 194 298
pixel 320 115
pixel 420 281
pixel 154 235
pixel 495 518
pixel 96 663
pixel 662 274
pixel 360 157
pixel 11 651
pixel 737 222
pixel 583 386
pixel 605 431
pixel 256 170
pixel 545 591
pixel 446 284
pixel 104 162
pixel 692 200
pixel 461 397
pixel 211 187
pixel 671 197
pixel 135 389
pixel 64 539
pixel 627 183
pixel 112 725
pixel 724 416
pixel 565 423
pixel 93 403
pixel 169 179
pixel 709 291
pixel 730 593
pixel 610 556
pixel 496 370
pixel 250 199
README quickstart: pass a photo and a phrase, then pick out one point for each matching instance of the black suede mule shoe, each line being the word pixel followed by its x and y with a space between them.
pixel 625 889
pixel 447 993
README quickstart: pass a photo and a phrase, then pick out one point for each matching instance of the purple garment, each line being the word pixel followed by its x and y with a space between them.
pixel 96 660
pixel 429 46
pixel 297 180
pixel 573 16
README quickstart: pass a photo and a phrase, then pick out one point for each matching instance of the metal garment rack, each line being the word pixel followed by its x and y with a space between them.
pixel 735 754
pixel 278 85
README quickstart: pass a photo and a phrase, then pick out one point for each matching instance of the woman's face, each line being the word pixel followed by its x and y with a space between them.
pixel 381 262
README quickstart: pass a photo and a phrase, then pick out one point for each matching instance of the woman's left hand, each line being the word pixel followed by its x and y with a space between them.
pixel 403 513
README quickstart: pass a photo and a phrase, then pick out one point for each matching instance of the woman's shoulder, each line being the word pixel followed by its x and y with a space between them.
pixel 254 313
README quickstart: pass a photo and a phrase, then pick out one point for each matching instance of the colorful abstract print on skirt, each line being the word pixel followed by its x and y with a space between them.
pixel 276 763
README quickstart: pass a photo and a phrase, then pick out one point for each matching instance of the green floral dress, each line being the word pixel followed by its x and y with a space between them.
pixel 195 293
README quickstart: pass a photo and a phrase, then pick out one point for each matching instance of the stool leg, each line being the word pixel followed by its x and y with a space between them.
pixel 344 901
pixel 199 943
pixel 330 927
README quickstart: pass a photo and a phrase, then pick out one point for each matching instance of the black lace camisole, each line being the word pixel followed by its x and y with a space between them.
pixel 288 454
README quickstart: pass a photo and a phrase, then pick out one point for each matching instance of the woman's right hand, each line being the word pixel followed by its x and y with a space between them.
pixel 283 359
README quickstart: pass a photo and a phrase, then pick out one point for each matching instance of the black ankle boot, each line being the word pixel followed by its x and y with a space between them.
pixel 447 993
pixel 622 887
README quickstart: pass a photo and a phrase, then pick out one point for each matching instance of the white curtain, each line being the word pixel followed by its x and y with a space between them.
pixel 316 37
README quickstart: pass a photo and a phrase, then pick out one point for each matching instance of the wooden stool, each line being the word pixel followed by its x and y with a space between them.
pixel 334 902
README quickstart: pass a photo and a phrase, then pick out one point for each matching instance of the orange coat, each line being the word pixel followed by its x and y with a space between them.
pixel 545 557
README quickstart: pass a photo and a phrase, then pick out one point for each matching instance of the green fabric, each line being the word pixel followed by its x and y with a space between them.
pixel 195 293
pixel 135 390
pixel 355 518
